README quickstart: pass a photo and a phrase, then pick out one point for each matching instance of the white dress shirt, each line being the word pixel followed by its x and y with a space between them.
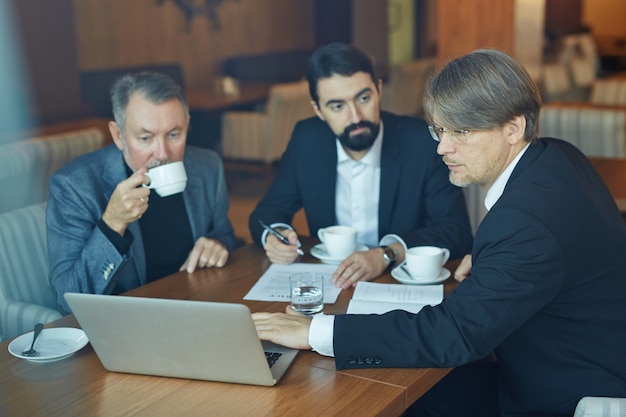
pixel 357 191
pixel 357 194
pixel 321 332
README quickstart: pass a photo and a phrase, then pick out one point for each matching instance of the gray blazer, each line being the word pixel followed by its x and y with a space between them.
pixel 81 257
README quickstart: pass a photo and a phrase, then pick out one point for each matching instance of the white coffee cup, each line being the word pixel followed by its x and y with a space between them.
pixel 340 241
pixel 426 262
pixel 168 179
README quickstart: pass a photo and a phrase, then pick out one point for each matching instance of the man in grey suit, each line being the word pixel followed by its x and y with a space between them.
pixel 106 232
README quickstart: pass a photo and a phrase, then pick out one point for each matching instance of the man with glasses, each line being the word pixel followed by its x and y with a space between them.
pixel 356 166
pixel 544 287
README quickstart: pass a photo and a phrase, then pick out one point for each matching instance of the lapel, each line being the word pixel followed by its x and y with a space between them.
pixel 324 162
pixel 531 154
pixel 390 170
pixel 192 197
pixel 114 172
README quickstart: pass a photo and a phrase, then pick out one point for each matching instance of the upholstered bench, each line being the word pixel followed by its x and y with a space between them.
pixel 26 297
pixel 263 136
pixel 26 165
pixel 595 130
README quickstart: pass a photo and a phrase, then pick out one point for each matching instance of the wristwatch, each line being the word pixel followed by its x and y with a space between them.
pixel 390 255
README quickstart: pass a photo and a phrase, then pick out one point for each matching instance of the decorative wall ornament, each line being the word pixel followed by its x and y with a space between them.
pixel 191 8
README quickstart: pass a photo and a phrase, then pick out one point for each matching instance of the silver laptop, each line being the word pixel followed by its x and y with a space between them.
pixel 178 338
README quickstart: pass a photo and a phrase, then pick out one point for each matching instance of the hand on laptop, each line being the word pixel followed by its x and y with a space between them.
pixel 291 329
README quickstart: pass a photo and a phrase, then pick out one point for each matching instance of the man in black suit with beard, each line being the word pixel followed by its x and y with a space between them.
pixel 356 166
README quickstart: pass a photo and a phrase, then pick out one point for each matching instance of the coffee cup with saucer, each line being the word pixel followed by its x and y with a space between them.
pixel 320 252
pixel 401 274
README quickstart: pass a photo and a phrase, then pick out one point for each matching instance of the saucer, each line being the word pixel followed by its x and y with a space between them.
pixel 319 252
pixel 405 278
pixel 52 344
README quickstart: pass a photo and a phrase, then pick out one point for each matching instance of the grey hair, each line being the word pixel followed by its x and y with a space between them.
pixel 483 90
pixel 155 87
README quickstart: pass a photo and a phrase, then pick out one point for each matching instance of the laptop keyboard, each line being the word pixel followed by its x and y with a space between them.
pixel 272 357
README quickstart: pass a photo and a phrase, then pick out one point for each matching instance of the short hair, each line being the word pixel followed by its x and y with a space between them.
pixel 337 58
pixel 155 87
pixel 483 90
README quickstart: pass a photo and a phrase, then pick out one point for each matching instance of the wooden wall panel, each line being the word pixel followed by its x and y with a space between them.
pixel 121 33
pixel 369 29
pixel 563 17
pixel 471 24
pixel 605 17
pixel 46 33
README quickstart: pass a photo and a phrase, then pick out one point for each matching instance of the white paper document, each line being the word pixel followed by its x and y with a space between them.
pixel 375 298
pixel 273 285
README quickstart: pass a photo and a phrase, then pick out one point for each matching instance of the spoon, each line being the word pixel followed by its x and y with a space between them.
pixel 406 271
pixel 31 351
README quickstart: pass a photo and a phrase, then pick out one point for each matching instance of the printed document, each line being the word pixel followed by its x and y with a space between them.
pixel 376 298
pixel 273 285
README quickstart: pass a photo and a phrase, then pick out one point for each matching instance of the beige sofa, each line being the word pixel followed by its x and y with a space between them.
pixel 27 164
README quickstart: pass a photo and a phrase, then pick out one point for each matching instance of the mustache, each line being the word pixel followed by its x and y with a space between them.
pixel 158 163
pixel 449 162
pixel 359 125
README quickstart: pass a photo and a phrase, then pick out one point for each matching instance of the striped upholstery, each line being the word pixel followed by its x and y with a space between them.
pixel 601 407
pixel 19 169
pixel 404 93
pixel 595 131
pixel 26 165
pixel 263 136
pixel 610 92
pixel 26 296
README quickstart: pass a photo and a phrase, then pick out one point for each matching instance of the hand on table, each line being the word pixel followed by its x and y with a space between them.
pixel 278 252
pixel 206 253
pixel 128 202
pixel 360 266
pixel 290 329
pixel 464 269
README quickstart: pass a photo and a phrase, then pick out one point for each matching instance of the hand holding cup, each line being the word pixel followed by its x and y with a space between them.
pixel 167 179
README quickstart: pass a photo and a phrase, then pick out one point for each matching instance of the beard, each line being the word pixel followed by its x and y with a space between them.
pixel 361 141
pixel 461 182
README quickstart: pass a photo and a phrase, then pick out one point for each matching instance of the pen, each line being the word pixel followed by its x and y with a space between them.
pixel 279 236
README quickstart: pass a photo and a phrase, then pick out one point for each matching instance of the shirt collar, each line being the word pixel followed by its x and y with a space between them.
pixel 496 190
pixel 372 157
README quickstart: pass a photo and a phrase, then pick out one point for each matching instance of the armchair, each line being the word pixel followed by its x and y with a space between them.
pixel 263 136
pixel 404 92
pixel 595 130
pixel 26 297
pixel 26 165
pixel 611 92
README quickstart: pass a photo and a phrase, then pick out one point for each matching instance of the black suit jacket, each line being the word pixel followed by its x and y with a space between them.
pixel 417 201
pixel 547 292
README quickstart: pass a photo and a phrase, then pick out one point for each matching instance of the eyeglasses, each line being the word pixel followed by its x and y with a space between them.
pixel 458 135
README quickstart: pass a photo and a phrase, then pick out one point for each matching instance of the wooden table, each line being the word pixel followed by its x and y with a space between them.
pixel 79 385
